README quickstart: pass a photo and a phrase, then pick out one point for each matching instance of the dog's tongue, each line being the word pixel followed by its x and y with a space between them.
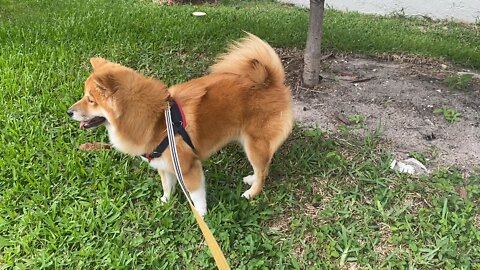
pixel 83 124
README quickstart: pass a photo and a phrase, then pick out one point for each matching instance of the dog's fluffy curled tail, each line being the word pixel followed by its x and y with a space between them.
pixel 253 58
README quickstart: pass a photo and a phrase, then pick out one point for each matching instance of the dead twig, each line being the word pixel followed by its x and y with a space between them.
pixel 327 56
pixel 341 118
pixel 362 80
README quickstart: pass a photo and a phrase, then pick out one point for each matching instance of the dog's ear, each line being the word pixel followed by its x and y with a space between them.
pixel 106 84
pixel 97 62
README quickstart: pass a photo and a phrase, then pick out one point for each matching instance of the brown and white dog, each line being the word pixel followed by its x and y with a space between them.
pixel 242 99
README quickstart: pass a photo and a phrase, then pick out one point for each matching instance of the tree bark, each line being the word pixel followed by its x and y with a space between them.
pixel 311 70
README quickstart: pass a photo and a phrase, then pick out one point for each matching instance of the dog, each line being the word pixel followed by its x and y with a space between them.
pixel 242 99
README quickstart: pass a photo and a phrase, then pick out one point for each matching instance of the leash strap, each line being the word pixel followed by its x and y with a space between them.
pixel 215 249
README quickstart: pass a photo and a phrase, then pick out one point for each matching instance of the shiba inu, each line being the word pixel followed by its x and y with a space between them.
pixel 242 99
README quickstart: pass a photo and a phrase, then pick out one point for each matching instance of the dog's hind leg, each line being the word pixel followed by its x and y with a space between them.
pixel 259 154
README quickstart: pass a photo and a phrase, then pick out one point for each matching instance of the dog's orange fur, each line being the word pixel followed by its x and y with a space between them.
pixel 243 99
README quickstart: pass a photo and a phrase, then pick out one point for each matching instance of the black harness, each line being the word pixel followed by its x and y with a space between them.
pixel 179 124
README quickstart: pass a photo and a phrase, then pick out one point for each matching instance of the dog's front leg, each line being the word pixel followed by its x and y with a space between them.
pixel 168 184
pixel 195 183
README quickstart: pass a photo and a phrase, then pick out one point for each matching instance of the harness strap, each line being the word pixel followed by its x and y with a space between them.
pixel 179 124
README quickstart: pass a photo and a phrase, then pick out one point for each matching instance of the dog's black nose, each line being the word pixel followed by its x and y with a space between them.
pixel 70 113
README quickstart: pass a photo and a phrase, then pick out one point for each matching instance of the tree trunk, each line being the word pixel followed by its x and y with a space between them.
pixel 311 70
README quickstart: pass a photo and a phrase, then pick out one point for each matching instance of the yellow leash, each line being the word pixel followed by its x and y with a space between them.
pixel 217 253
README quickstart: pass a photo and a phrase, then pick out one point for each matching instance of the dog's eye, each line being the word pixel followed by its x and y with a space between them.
pixel 90 100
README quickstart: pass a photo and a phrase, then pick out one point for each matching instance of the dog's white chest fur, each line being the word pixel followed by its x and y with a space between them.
pixel 157 163
pixel 122 145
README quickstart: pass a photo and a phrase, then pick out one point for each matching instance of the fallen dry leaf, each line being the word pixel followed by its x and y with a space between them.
pixel 94 146
pixel 462 192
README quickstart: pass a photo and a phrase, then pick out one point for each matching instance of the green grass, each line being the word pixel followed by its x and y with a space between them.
pixel 459 82
pixel 353 32
pixel 450 115
pixel 330 202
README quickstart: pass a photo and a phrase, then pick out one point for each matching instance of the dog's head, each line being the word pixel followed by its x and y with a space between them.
pixel 121 98
pixel 95 107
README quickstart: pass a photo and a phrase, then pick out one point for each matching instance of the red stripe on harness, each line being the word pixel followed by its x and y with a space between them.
pixel 184 122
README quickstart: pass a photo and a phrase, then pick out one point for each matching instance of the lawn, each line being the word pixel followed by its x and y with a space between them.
pixel 330 202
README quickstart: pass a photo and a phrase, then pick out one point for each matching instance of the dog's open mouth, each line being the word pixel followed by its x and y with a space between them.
pixel 94 122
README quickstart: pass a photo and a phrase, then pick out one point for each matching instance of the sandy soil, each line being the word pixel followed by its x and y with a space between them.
pixel 399 96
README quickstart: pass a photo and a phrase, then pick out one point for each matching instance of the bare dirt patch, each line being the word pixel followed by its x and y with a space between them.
pixel 398 96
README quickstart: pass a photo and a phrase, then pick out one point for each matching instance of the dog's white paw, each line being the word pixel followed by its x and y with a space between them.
pixel 246 194
pixel 249 180
pixel 164 199
pixel 202 211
